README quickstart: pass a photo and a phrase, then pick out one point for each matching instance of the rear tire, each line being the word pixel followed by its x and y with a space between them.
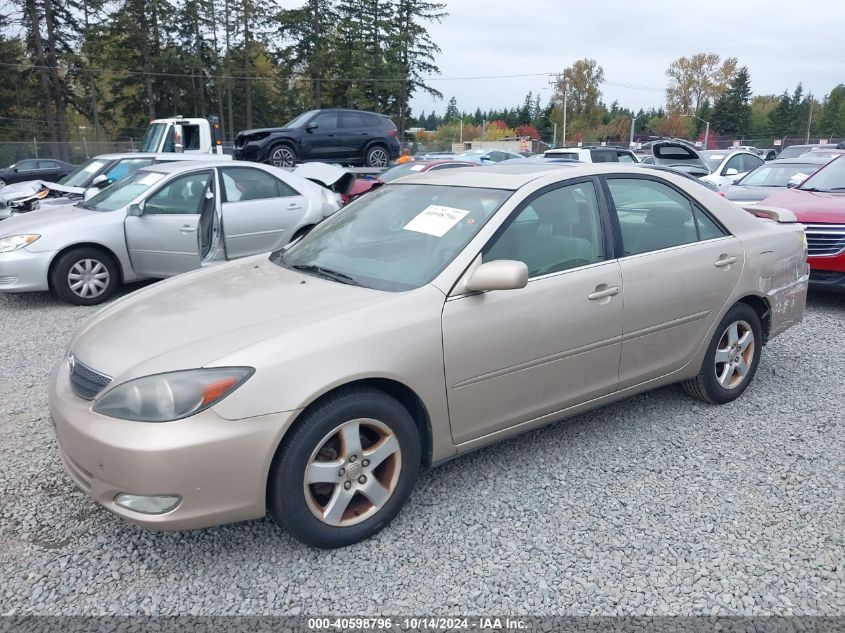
pixel 282 156
pixel 377 157
pixel 84 276
pixel 346 468
pixel 731 359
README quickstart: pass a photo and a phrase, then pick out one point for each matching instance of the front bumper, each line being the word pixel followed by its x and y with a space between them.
pixel 218 467
pixel 24 270
pixel 827 273
pixel 250 151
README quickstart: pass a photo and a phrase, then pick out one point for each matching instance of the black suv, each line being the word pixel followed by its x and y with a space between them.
pixel 346 136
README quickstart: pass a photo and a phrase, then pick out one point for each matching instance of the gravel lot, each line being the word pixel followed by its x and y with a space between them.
pixel 657 505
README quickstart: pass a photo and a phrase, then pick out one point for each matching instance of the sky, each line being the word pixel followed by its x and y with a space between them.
pixel 782 42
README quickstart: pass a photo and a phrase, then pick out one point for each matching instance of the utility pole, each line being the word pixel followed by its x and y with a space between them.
pixel 809 116
pixel 633 121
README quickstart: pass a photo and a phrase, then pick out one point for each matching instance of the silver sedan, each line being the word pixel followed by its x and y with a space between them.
pixel 158 222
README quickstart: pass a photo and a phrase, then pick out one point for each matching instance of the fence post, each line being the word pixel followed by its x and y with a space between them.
pixel 35 145
pixel 85 143
pixel 132 141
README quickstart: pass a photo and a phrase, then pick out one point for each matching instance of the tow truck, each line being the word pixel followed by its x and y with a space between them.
pixel 181 134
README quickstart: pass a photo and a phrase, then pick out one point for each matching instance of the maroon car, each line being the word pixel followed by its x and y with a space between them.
pixel 819 204
pixel 364 185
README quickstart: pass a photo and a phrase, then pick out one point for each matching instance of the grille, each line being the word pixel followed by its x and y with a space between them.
pixel 825 239
pixel 84 381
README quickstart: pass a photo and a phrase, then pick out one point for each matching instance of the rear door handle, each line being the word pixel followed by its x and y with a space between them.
pixel 601 293
pixel 725 261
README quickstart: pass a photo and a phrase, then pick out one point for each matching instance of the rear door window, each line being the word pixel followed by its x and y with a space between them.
pixel 241 184
pixel 351 120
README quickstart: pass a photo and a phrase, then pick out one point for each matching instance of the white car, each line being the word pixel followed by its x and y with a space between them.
pixel 726 167
pixel 599 154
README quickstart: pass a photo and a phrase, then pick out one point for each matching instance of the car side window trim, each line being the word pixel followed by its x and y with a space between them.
pixel 694 204
pixel 211 183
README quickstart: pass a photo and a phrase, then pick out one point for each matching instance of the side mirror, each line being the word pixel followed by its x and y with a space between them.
pixel 15 169
pixel 486 158
pixel 99 180
pixel 311 126
pixel 136 210
pixel 736 181
pixel 502 274
pixel 731 172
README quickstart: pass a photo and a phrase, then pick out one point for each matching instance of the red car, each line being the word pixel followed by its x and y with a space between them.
pixel 819 204
pixel 363 185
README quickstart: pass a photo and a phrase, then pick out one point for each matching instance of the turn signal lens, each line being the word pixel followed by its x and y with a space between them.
pixel 14 242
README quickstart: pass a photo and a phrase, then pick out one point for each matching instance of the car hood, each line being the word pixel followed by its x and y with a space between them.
pixel 259 130
pixel 739 193
pixel 810 206
pixel 30 187
pixel 54 216
pixel 194 319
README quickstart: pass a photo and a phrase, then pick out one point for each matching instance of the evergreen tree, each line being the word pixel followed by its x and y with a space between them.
pixel 732 111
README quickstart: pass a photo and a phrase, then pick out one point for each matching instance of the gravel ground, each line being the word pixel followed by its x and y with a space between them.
pixel 656 505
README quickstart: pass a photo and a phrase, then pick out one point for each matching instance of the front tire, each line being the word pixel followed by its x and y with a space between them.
pixel 346 468
pixel 282 156
pixel 84 276
pixel 732 358
pixel 377 157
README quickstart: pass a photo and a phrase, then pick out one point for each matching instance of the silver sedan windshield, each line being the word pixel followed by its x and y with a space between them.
pixel 396 238
pixel 123 192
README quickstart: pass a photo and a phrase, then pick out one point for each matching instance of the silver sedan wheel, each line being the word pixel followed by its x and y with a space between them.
pixel 353 472
pixel 734 354
pixel 88 278
pixel 283 157
pixel 377 157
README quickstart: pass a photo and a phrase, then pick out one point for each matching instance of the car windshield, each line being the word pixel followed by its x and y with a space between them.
pixel 397 238
pixel 713 160
pixel 152 139
pixel 84 174
pixel 123 192
pixel 778 175
pixel 401 170
pixel 301 119
pixel 794 151
pixel 831 178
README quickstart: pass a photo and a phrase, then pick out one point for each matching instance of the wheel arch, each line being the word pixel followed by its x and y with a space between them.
pixel 376 143
pixel 761 306
pixel 71 247
pixel 406 396
pixel 275 142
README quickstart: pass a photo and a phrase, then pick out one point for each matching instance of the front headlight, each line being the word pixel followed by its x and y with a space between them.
pixel 14 242
pixel 171 396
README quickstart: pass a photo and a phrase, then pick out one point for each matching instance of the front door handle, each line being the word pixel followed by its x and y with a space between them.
pixel 603 291
pixel 725 261
pixel 188 229
pixel 294 206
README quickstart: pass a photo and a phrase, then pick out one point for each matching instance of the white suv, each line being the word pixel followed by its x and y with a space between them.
pixel 594 154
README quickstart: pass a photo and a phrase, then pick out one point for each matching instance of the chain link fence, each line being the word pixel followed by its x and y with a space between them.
pixel 77 151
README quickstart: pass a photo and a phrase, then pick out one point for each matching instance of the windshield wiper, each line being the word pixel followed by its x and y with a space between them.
pixel 326 273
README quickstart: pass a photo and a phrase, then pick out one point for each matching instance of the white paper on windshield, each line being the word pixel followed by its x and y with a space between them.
pixel 799 177
pixel 436 220
pixel 417 167
pixel 92 167
pixel 151 179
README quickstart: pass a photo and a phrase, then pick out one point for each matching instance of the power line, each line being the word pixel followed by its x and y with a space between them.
pixel 303 77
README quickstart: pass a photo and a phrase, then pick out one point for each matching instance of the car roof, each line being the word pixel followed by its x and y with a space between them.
pixel 170 156
pixel 186 165
pixel 512 177
pixel 804 159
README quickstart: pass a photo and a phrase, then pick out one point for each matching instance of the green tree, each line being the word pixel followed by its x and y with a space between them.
pixel 732 111
pixel 581 83
pixel 832 119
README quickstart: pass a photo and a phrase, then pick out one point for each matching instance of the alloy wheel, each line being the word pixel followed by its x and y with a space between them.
pixel 283 157
pixel 353 472
pixel 88 278
pixel 734 354
pixel 377 157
